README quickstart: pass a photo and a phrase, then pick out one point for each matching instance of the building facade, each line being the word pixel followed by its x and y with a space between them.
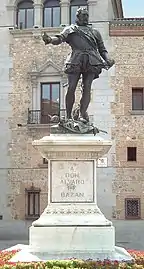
pixel 32 86
pixel 128 110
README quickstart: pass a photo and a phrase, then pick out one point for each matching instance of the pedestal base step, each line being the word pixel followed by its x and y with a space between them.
pixel 25 255
pixel 72 239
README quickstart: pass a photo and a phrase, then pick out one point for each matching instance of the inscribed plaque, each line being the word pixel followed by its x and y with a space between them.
pixel 72 181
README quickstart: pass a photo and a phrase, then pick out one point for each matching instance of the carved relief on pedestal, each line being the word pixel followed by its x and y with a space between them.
pixel 70 155
pixel 72 211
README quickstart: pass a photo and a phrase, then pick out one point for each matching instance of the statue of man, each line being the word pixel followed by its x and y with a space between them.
pixel 87 58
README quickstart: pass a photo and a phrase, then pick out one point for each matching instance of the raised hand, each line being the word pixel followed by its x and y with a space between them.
pixel 46 38
pixel 110 62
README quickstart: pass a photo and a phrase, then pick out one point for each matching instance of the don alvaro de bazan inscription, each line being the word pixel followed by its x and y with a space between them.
pixel 72 181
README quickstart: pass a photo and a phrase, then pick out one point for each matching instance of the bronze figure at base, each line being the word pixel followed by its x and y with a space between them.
pixel 74 125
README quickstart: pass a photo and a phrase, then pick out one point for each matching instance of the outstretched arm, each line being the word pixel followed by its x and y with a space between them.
pixel 58 39
pixel 55 40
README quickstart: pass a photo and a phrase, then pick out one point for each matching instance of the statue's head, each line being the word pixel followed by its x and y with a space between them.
pixel 82 16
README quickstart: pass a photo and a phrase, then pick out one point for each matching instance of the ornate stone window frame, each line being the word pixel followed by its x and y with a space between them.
pixel 48 72
pixel 38 11
pixel 51 5
pixel 24 5
pixel 12 12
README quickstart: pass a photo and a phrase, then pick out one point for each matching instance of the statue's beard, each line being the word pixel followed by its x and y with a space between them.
pixel 82 22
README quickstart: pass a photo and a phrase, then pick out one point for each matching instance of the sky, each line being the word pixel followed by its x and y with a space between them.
pixel 133 8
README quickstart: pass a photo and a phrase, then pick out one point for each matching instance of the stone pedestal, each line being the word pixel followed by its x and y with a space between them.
pixel 72 225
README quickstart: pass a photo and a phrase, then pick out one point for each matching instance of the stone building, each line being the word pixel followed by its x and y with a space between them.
pixel 32 85
pixel 128 110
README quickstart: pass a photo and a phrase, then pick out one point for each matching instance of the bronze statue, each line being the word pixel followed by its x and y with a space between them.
pixel 88 57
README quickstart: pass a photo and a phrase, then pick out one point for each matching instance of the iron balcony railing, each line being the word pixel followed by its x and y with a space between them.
pixel 37 117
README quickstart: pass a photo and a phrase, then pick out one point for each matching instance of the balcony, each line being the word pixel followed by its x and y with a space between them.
pixel 36 118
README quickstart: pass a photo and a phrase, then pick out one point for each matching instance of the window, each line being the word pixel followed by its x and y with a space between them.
pixel 45 161
pixel 50 101
pixel 25 14
pixel 32 203
pixel 138 99
pixel 132 208
pixel 51 13
pixel 75 4
pixel 131 154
